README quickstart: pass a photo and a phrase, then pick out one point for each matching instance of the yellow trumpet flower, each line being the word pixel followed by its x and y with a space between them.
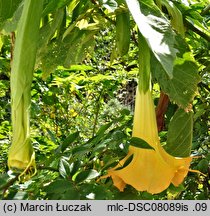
pixel 150 170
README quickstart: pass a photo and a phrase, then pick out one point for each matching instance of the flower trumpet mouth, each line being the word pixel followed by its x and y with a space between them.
pixel 151 170
pixel 21 159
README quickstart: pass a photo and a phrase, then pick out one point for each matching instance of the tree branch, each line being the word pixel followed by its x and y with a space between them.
pixel 161 110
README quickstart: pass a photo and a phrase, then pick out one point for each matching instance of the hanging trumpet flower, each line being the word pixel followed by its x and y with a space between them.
pixel 149 169
pixel 21 157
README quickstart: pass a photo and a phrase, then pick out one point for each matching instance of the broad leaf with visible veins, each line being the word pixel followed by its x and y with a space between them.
pixel 156 30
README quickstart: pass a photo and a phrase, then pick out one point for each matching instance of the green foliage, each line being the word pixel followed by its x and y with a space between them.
pixel 122 25
pixel 156 30
pixel 179 134
pixel 183 86
pixel 140 143
pixel 7 9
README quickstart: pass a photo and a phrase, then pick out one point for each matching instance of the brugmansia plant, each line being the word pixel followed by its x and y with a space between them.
pixel 147 168
pixel 21 157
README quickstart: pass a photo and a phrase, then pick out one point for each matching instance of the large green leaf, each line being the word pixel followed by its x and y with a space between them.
pixel 183 86
pixel 68 51
pixel 122 25
pixel 156 30
pixel 180 131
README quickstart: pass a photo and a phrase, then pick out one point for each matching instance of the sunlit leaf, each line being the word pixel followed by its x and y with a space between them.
pixel 64 168
pixel 156 30
pixel 109 4
pixel 82 67
pixel 86 175
pixel 71 50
